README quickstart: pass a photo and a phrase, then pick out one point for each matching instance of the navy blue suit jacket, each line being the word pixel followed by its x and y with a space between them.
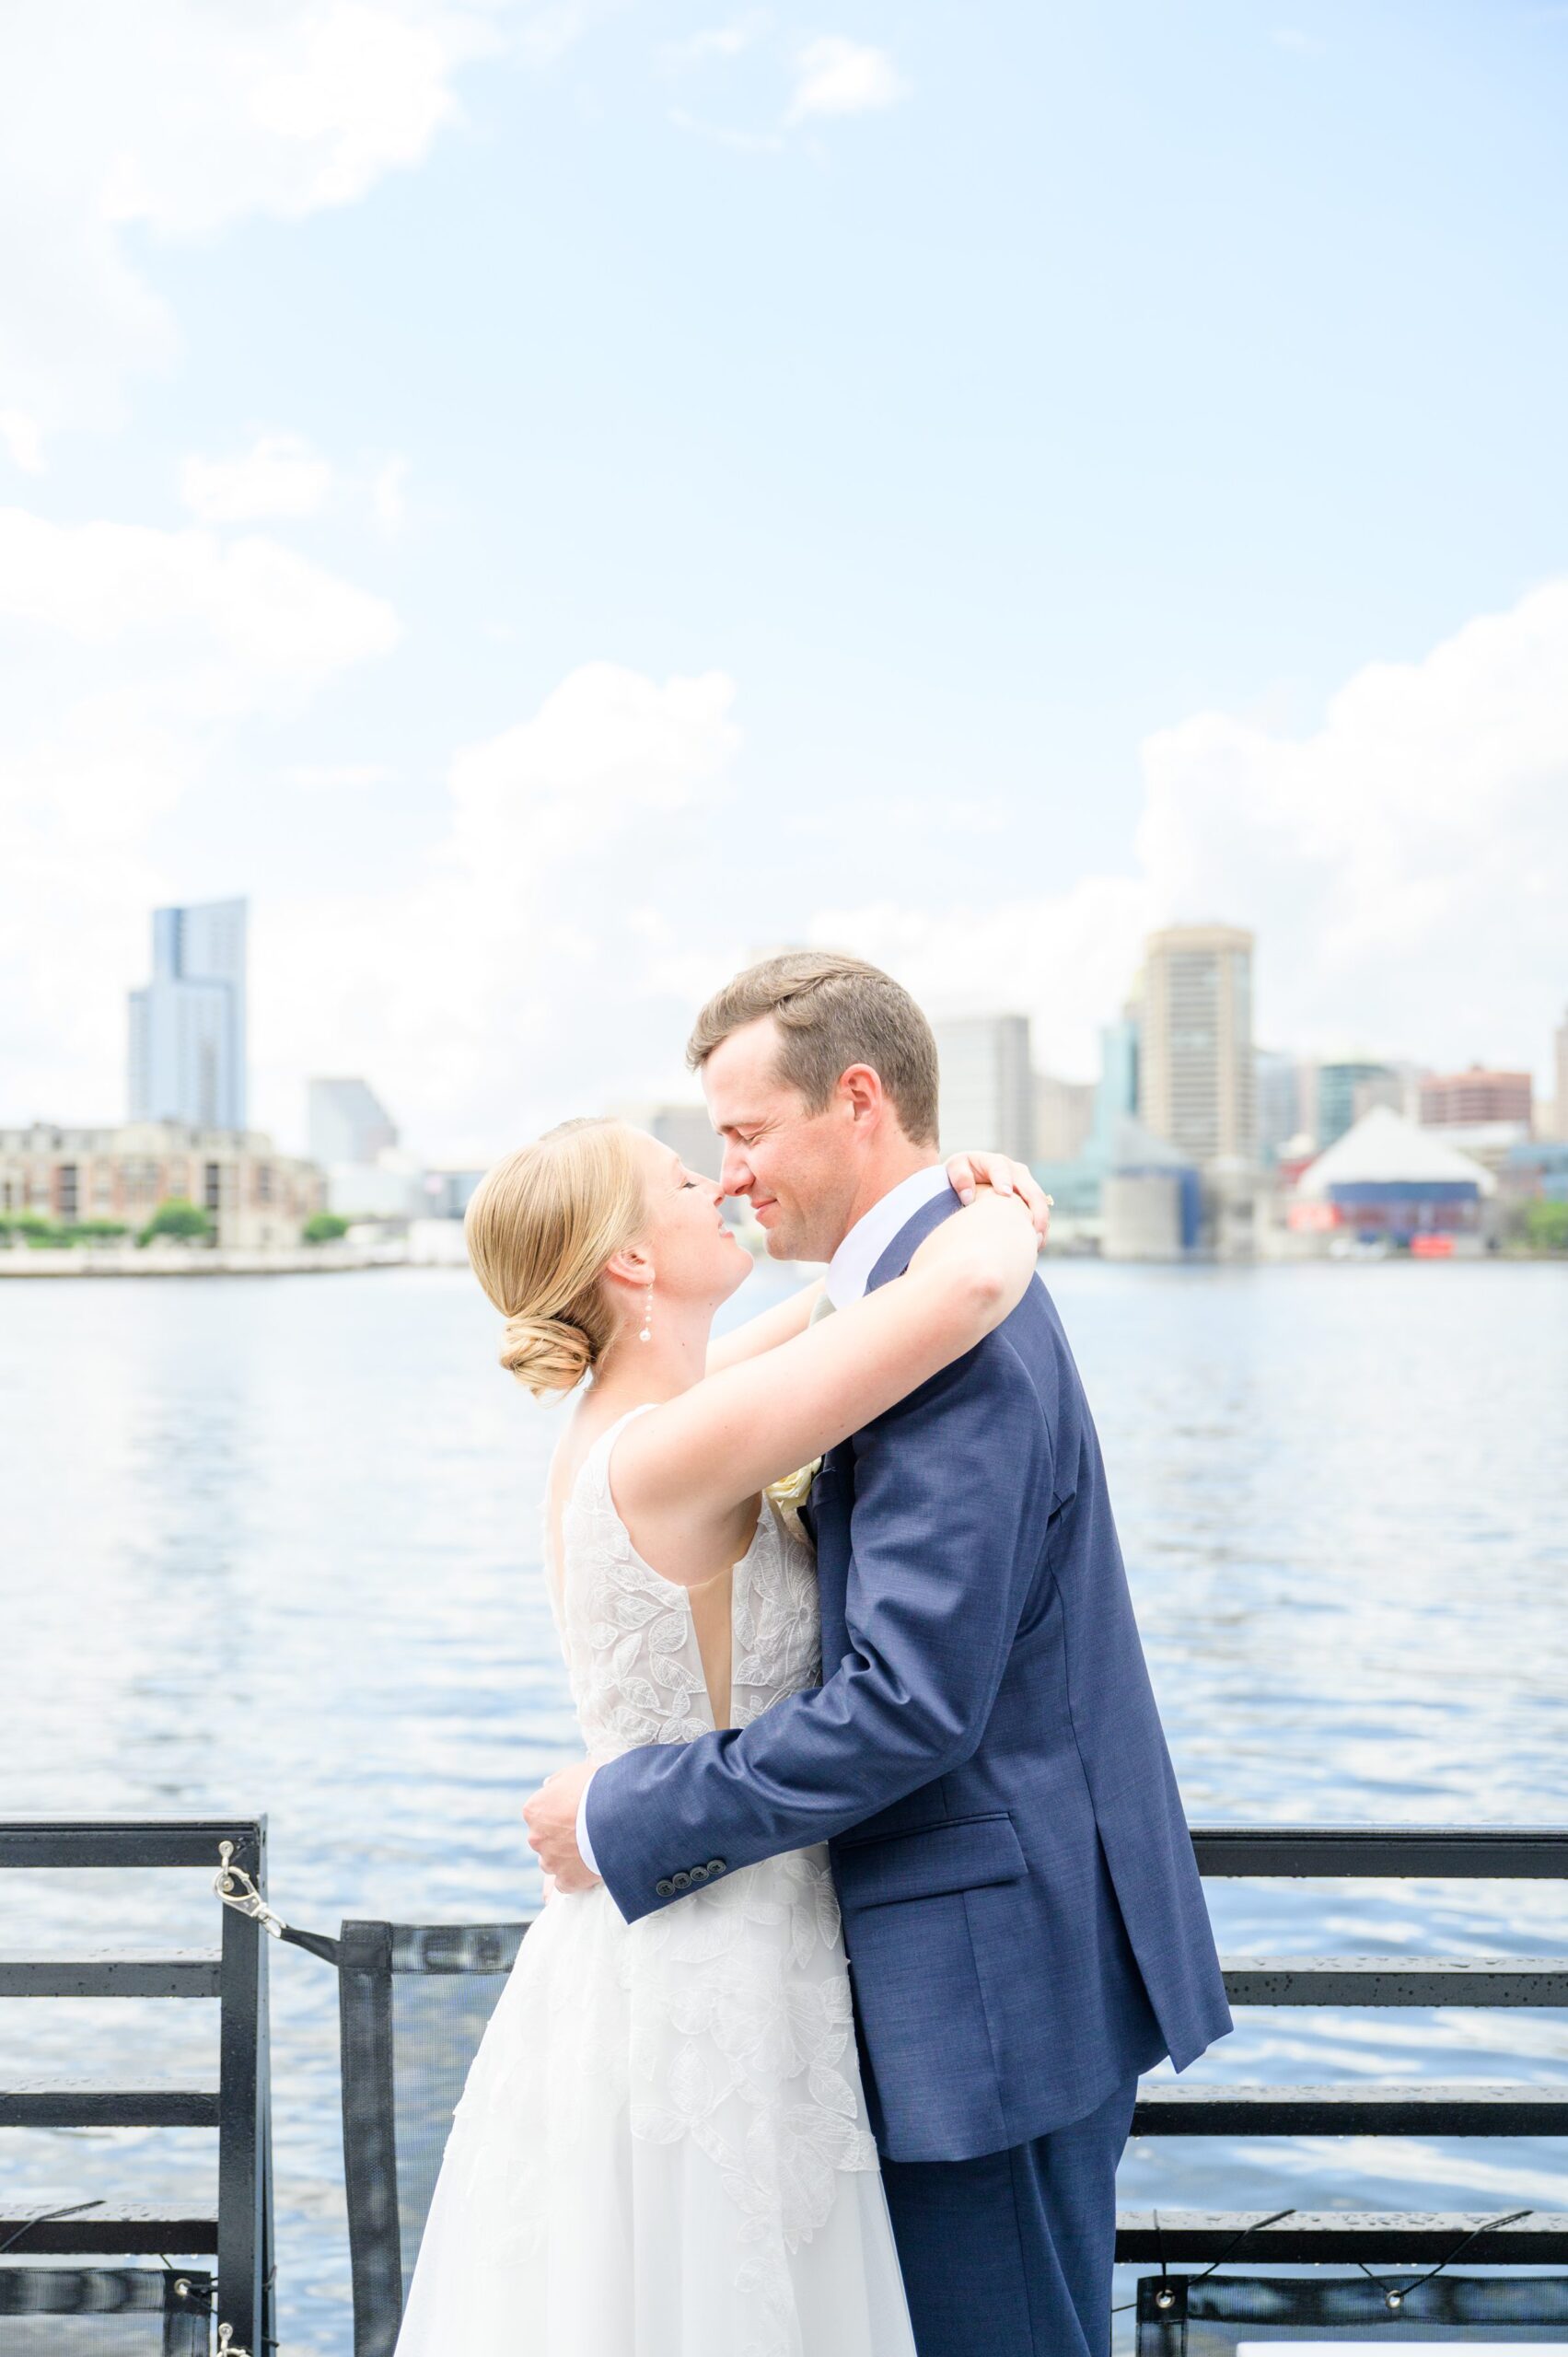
pixel 1022 1909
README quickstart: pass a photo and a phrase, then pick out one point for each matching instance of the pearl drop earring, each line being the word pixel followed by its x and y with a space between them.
pixel 647 1333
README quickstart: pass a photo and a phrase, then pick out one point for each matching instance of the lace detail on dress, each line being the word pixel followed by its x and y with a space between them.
pixel 741 2028
pixel 631 1645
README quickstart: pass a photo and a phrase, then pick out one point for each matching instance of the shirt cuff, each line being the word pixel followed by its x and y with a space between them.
pixel 584 1847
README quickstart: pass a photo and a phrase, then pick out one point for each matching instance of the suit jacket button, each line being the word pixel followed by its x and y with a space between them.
pixel 716 1866
pixel 681 1881
pixel 666 1890
pixel 699 1873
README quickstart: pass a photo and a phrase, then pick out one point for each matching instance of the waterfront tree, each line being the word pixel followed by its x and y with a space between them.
pixel 1546 1226
pixel 324 1228
pixel 184 1221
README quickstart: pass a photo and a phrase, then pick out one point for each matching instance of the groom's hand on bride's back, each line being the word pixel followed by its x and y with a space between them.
pixel 551 1815
pixel 968 1171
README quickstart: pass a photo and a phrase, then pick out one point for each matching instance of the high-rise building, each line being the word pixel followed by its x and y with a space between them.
pixel 1465 1098
pixel 987 1090
pixel 346 1121
pixel 1064 1114
pixel 1278 1084
pixel 1559 1104
pixel 1397 1090
pixel 1196 1083
pixel 187 1045
pixel 687 1132
pixel 1345 1087
pixel 683 1127
pixel 1116 1098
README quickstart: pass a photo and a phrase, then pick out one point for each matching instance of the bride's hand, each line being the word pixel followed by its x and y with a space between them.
pixel 968 1171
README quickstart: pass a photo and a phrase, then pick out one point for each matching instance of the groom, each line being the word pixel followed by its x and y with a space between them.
pixel 1025 1924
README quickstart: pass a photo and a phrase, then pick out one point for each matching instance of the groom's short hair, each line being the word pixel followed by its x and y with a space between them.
pixel 832 1011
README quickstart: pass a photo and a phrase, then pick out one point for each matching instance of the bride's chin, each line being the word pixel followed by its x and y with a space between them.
pixel 737 1269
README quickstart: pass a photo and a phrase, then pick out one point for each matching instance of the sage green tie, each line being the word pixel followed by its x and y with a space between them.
pixel 821 1308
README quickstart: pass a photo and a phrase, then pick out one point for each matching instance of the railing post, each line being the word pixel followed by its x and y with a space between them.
pixel 244 2127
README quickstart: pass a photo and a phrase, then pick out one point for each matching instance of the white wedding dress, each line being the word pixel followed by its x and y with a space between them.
pixel 661 2150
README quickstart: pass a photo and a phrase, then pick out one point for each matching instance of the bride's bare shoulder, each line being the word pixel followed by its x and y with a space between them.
pixel 573 1448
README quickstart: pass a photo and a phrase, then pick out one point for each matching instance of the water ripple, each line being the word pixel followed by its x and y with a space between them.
pixel 274 1545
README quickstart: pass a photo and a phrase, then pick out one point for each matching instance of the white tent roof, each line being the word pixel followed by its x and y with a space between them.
pixel 1384 1150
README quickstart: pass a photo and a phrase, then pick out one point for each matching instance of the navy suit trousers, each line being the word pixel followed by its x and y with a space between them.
pixel 1011 2254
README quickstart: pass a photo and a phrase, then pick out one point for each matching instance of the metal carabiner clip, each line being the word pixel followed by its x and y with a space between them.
pixel 247 1900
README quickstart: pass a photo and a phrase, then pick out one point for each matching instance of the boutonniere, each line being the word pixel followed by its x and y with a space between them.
pixel 791 1493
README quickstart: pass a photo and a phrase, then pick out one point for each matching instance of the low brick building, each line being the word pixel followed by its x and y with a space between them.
pixel 257 1199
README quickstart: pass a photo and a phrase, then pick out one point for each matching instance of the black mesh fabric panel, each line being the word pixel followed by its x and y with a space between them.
pixel 104 2312
pixel 414 2001
pixel 1181 2316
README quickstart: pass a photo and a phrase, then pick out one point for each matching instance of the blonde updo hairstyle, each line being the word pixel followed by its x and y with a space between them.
pixel 540 1229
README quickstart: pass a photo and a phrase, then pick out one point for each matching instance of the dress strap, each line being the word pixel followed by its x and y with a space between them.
pixel 594 1470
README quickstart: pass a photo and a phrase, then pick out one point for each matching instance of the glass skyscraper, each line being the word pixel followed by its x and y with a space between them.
pixel 187 1059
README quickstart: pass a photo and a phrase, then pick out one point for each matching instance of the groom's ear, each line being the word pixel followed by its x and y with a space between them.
pixel 861 1090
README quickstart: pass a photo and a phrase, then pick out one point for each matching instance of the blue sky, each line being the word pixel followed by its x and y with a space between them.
pixel 548 499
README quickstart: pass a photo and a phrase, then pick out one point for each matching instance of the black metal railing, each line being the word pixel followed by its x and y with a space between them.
pixel 1366 1852
pixel 241 2232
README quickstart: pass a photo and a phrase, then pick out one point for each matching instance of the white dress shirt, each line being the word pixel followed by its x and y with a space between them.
pixel 849 1273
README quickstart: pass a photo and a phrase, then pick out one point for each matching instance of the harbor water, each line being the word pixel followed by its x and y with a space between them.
pixel 272 1545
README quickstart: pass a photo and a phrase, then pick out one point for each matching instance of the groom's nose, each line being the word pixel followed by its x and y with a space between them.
pixel 734 1173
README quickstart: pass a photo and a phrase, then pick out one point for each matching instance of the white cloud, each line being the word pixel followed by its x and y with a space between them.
pixel 604 744
pixel 1403 865
pixel 388 497
pixel 836 77
pixel 331 777
pixel 745 143
pixel 546 30
pixel 721 41
pixel 284 113
pixel 1065 957
pixel 519 977
pixel 830 76
pixel 23 440
pixel 132 656
pixel 280 475
pixel 177 119
pixel 248 613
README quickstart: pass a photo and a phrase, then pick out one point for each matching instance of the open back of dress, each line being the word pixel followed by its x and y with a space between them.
pixel 662 2148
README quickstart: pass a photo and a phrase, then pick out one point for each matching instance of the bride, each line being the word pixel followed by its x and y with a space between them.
pixel 661 2149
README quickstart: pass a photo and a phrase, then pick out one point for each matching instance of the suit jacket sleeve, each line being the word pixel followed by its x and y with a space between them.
pixel 953 1497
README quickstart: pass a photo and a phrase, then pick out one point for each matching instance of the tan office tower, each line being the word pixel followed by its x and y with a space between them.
pixel 1196 1078
pixel 1559 1102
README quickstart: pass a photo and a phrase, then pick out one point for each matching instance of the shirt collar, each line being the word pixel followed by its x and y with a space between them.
pixel 850 1269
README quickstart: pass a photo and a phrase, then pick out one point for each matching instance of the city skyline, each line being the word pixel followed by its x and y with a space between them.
pixel 1187 1143
pixel 195 1008
pixel 1052 475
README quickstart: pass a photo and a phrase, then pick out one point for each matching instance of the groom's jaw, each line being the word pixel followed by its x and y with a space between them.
pixel 776 1227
